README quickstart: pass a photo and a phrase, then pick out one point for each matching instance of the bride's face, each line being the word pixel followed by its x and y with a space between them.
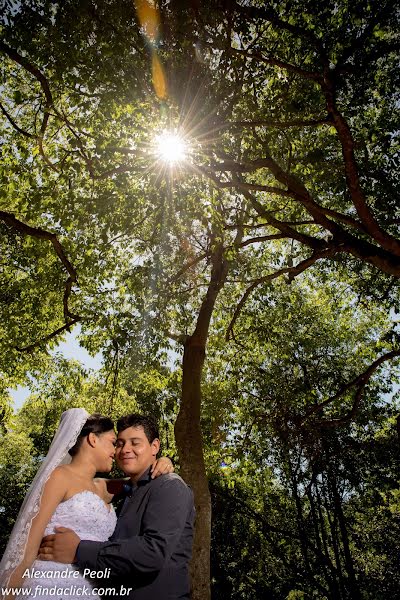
pixel 104 451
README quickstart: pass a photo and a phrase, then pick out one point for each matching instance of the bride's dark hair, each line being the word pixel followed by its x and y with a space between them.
pixel 96 424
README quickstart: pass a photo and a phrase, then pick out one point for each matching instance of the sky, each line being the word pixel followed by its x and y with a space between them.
pixel 69 348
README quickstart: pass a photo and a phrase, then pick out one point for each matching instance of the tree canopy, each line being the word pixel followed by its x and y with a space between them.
pixel 274 246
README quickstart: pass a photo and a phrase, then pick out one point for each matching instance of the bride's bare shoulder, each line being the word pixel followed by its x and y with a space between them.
pixel 58 483
pixel 60 473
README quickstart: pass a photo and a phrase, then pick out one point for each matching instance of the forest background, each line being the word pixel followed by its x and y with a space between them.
pixel 246 295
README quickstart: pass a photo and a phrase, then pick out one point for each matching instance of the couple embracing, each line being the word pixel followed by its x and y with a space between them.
pixel 67 541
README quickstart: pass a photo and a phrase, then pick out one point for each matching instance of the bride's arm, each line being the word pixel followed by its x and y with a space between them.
pixel 114 486
pixel 53 494
pixel 162 466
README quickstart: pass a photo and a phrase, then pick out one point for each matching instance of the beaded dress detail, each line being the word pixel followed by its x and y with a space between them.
pixel 91 519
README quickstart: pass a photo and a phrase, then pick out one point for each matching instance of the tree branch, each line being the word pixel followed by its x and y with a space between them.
pixel 360 383
pixel 263 238
pixel 242 185
pixel 44 84
pixel 279 124
pixel 188 266
pixel 291 271
pixel 39 233
pixel 285 228
pixel 268 13
pixel 13 123
pixel 249 166
pixel 47 338
pixel 357 247
pixel 384 239
pixel 276 62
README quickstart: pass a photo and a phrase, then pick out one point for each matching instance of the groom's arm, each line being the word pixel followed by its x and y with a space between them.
pixel 161 466
pixel 163 523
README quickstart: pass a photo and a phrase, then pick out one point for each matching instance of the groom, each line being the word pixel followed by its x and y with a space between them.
pixel 150 549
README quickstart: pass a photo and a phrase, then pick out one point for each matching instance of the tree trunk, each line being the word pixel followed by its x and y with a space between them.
pixel 188 434
pixel 190 447
pixel 352 579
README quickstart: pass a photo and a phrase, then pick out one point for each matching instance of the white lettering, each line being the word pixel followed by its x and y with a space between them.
pixel 52 574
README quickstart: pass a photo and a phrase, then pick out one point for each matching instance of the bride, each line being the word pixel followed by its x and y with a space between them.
pixel 64 493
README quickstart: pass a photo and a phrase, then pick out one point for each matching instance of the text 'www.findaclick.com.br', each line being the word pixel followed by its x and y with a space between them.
pixel 60 592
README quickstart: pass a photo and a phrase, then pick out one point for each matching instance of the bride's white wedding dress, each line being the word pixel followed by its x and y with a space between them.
pixel 91 519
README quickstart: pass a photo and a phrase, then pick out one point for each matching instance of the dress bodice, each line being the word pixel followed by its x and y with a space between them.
pixel 91 519
pixel 87 514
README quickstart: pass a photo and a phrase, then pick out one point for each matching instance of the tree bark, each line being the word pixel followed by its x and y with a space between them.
pixel 188 433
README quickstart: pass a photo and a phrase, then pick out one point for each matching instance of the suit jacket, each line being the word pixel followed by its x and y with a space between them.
pixel 151 546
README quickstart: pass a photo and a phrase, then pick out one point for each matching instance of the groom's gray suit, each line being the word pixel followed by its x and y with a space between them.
pixel 151 546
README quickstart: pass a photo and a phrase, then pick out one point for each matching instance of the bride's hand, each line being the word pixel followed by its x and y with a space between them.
pixel 162 466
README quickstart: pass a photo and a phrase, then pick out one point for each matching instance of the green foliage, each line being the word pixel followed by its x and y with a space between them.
pixel 251 87
pixel 291 495
pixel 274 535
pixel 17 468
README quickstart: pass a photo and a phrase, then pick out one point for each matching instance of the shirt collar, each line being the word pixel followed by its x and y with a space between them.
pixel 145 478
pixel 129 486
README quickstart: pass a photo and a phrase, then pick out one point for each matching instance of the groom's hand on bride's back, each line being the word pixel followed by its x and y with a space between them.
pixel 60 546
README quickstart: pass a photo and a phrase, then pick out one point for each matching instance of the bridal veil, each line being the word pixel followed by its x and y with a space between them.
pixel 70 426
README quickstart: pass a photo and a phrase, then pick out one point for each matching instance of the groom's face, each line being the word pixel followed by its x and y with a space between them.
pixel 134 453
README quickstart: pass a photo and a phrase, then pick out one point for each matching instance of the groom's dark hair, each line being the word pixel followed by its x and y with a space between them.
pixel 136 420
